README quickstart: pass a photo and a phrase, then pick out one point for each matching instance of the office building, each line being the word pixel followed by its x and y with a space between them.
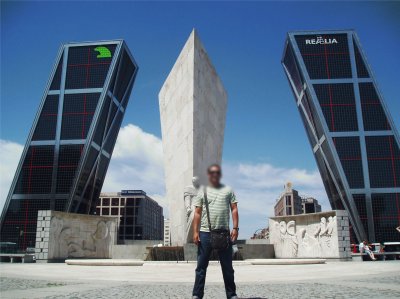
pixel 167 233
pixel 351 132
pixel 310 205
pixel 289 202
pixel 139 216
pixel 68 150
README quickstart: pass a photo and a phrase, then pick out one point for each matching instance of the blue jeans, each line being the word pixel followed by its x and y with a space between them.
pixel 203 257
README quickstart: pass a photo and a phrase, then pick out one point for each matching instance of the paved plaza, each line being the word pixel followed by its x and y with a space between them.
pixel 172 280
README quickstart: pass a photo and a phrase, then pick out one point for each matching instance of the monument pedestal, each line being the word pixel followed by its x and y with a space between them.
pixel 190 252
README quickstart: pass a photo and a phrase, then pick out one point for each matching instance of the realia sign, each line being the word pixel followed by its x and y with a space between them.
pixel 321 41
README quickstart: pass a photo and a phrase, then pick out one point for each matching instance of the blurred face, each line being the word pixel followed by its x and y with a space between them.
pixel 214 175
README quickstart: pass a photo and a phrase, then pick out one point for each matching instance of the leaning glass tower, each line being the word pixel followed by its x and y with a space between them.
pixel 351 132
pixel 68 150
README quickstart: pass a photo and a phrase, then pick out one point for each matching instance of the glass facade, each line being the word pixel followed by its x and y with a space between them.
pixel 352 135
pixel 139 216
pixel 72 138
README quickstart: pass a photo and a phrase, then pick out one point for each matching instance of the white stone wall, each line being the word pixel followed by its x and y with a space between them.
pixel 317 235
pixel 62 235
pixel 192 110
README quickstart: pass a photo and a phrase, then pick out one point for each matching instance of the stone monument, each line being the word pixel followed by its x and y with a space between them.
pixel 192 110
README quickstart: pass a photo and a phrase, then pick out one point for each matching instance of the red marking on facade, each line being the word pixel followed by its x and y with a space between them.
pixel 84 117
pixel 40 166
pixel 87 67
pixel 370 103
pixel 370 159
pixel 30 169
pixel 351 159
pixel 347 104
pixel 331 108
pixel 393 159
pixel 326 62
pixel 71 113
pixel 88 64
pixel 79 113
pixel 325 53
pixel 394 175
pixel 84 97
pixel 329 88
pixel 336 105
pixel 50 166
pixel 385 217
pixel 25 223
pixel 29 191
pixel 68 166
pixel 398 207
pixel 19 222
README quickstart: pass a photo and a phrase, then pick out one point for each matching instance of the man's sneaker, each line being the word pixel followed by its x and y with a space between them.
pixel 195 297
pixel 235 297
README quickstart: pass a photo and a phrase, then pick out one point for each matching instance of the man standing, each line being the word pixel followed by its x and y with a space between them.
pixel 221 201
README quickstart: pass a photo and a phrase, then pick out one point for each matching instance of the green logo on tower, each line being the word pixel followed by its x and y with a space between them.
pixel 103 52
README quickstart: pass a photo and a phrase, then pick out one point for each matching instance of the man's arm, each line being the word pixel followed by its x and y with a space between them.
pixel 196 225
pixel 235 220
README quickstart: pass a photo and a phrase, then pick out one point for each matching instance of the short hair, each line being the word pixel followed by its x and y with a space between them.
pixel 214 165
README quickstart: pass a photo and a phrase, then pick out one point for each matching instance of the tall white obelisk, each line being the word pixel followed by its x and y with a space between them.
pixel 193 110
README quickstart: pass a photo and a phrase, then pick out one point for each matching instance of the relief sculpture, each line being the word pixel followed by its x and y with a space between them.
pixel 90 240
pixel 315 239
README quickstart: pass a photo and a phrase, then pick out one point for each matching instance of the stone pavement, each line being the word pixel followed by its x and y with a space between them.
pixel 172 280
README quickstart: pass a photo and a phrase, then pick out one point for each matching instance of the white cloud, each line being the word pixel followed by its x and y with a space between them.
pixel 10 153
pixel 257 186
pixel 137 163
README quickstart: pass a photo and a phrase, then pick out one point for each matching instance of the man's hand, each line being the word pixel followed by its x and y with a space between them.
pixel 234 235
pixel 196 238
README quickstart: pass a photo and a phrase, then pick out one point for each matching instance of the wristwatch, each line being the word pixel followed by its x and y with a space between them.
pixel 236 228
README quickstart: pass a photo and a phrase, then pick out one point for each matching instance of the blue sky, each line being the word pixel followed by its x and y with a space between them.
pixel 244 40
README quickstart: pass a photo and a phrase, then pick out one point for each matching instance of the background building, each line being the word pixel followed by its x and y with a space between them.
pixel 289 203
pixel 262 233
pixel 167 233
pixel 68 150
pixel 310 205
pixel 350 130
pixel 140 217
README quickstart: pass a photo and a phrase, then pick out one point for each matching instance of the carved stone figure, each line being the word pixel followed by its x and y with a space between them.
pixel 308 245
pixel 189 193
pixel 94 246
pixel 288 244
pixel 325 235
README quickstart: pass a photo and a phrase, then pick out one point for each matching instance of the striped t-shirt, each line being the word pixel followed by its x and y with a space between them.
pixel 219 204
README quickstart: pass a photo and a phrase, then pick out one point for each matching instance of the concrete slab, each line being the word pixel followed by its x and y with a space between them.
pixel 104 262
pixel 286 261
pixel 175 280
